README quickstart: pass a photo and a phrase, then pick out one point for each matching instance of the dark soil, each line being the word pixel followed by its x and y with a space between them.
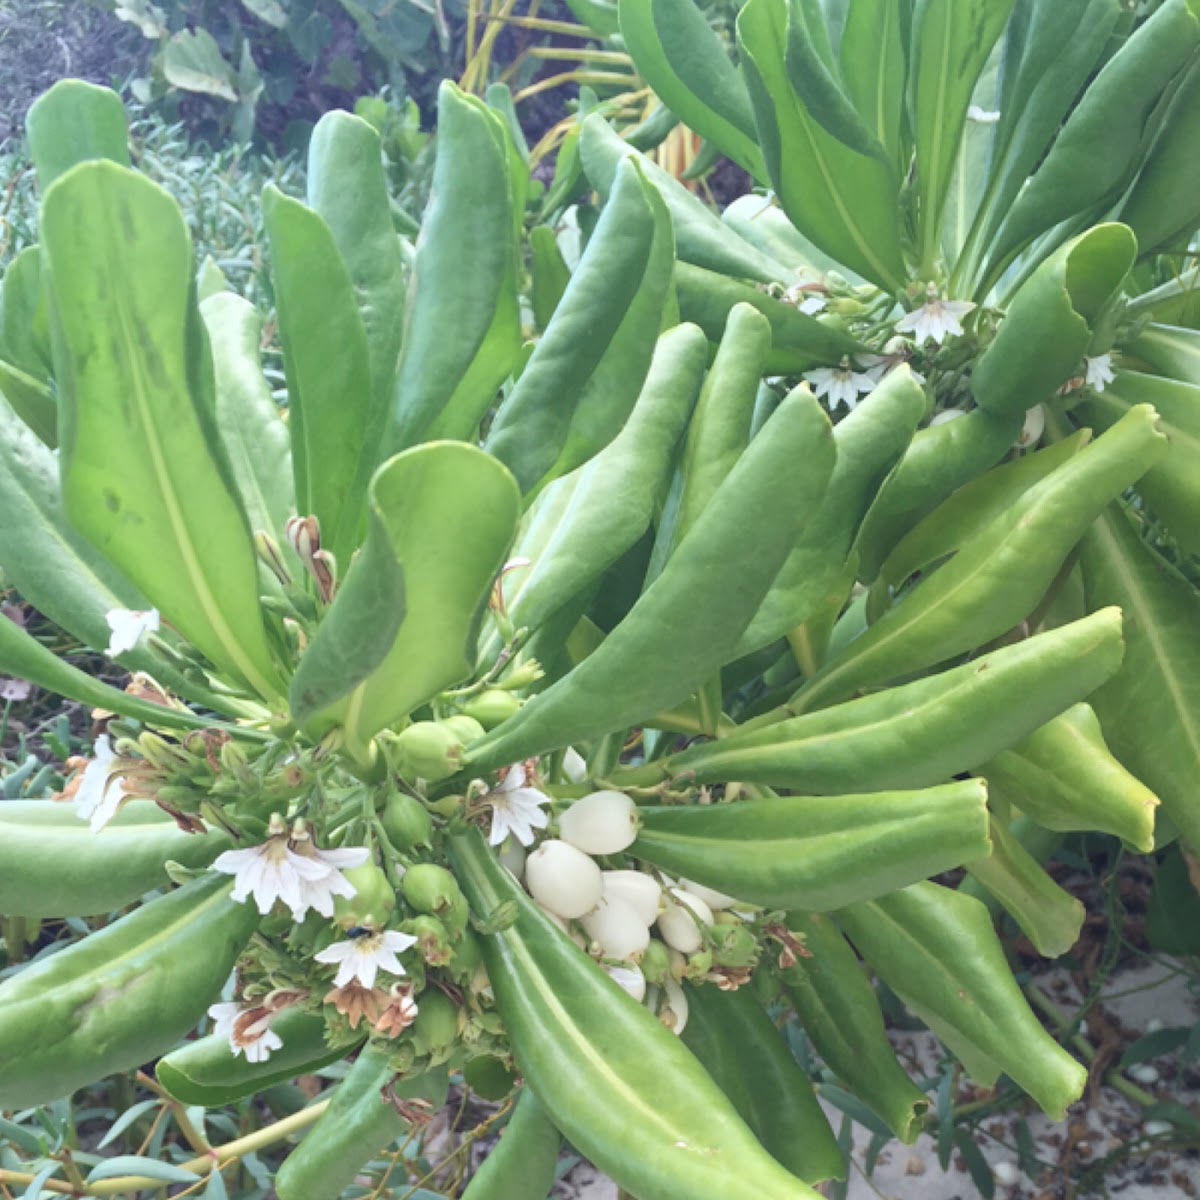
pixel 42 41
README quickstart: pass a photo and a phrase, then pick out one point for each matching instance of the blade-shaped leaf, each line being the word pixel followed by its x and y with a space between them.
pixel 951 42
pixel 140 476
pixel 347 186
pixel 873 55
pixel 937 950
pixel 248 419
pixel 680 56
pixel 325 356
pixel 1048 327
pixel 464 267
pixel 653 660
pixel 584 375
pixel 846 203
pixel 1150 711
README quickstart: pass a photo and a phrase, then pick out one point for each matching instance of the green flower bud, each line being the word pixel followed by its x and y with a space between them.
pixel 372 902
pixel 432 889
pixel 492 707
pixel 429 750
pixel 699 965
pixel 406 821
pixel 467 956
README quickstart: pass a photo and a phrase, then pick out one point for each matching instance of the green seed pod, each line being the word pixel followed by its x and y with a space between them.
pixel 432 889
pixel 406 821
pixel 433 941
pixel 430 750
pixel 467 729
pixel 492 707
pixel 372 902
pixel 735 946
pixel 656 962
pixel 436 1025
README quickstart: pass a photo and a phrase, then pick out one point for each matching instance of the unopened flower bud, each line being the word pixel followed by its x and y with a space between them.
pixel 601 823
pixel 629 978
pixel 637 889
pixel 617 929
pixel 563 879
pixel 269 553
pixel 372 902
pixel 656 961
pixel 714 899
pixel 680 921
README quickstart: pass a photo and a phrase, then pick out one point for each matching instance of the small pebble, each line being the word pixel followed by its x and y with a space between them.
pixel 1007 1173
pixel 1156 1128
pixel 1153 1025
pixel 914 1165
pixel 1143 1073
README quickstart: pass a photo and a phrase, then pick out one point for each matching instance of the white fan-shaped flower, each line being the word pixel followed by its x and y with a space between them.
pixel 128 625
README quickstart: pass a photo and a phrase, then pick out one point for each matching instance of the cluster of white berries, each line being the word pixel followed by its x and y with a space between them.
pixel 616 910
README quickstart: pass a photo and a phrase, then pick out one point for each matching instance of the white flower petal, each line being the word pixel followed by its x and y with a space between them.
pixel 101 791
pixel 260 1049
pixel 1099 371
pixel 128 625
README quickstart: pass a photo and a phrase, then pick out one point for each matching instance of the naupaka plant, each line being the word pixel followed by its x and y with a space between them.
pixel 495 710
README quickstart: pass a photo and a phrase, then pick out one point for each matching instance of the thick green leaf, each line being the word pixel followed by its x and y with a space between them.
pixel 347 186
pixel 923 732
pixel 840 1014
pixel 719 432
pixel 72 123
pixel 1064 777
pixel 584 375
pixel 1048 327
pixel 33 402
pixel 256 441
pixel 140 478
pixel 760 221
pixel 798 341
pixel 1104 139
pixel 653 660
pixel 443 516
pixel 701 237
pixel 815 75
pixel 1172 488
pixel 951 42
pixel 955 521
pixel 939 460
pixel 461 331
pixel 680 56
pixel 874 65
pixel 1150 711
pixel 937 950
pixel 998 578
pixel 846 203
pixel 325 355
pixel 583 522
pixel 192 60
pixel 110 868
pixel 24 318
pixel 870 442
pixel 1163 206
pixel 207 1071
pixel 1050 917
pixel 747 1056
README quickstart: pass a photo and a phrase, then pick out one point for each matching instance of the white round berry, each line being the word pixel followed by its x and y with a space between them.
pixel 680 921
pixel 617 929
pixel 629 978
